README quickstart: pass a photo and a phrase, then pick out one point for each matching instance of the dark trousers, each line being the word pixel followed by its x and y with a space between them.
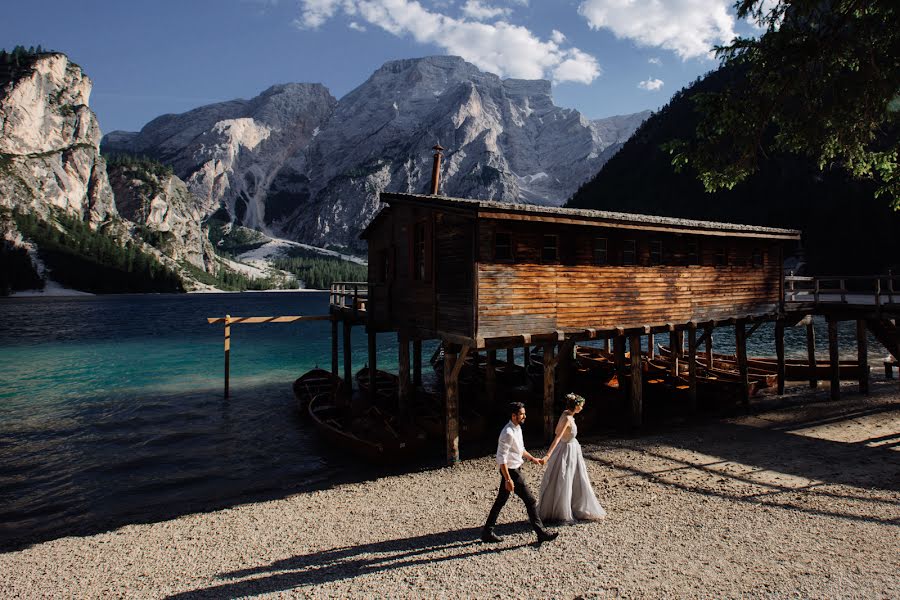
pixel 522 491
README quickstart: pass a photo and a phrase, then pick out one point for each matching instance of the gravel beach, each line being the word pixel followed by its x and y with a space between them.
pixel 799 498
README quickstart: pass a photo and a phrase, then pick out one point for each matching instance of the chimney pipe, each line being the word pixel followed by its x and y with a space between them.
pixel 436 170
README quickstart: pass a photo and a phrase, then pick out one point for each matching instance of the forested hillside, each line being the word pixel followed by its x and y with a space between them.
pixel 845 229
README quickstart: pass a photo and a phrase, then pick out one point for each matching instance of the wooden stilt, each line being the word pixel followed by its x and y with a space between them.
pixel 403 391
pixel 692 367
pixel 637 409
pixel 452 362
pixel 676 352
pixel 708 334
pixel 811 353
pixel 679 341
pixel 373 366
pixel 740 339
pixel 527 358
pixel 490 377
pixel 619 354
pixel 564 365
pixel 549 391
pixel 651 346
pixel 862 346
pixel 511 357
pixel 834 359
pixel 334 347
pixel 227 352
pixel 417 363
pixel 606 344
pixel 348 357
pixel 779 353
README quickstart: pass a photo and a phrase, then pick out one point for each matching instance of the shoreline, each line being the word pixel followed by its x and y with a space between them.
pixel 799 497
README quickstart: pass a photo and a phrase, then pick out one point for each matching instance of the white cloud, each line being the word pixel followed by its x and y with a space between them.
pixel 557 36
pixel 655 61
pixel 690 28
pixel 651 85
pixel 356 26
pixel 502 48
pixel 474 9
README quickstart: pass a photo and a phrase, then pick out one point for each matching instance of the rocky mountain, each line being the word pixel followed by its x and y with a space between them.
pixel 49 140
pixel 295 162
pixel 168 217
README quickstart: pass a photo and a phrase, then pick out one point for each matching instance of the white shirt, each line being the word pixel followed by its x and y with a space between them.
pixel 510 447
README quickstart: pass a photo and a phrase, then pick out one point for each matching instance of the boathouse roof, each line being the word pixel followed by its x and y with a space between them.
pixel 492 209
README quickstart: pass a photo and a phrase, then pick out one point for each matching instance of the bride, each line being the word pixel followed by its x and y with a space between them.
pixel 566 492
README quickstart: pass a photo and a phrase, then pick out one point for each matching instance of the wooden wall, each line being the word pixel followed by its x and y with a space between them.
pixel 528 294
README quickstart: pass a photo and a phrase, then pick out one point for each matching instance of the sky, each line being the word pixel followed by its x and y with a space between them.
pixel 604 57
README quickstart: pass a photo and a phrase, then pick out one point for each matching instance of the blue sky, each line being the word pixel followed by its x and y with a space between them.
pixel 605 57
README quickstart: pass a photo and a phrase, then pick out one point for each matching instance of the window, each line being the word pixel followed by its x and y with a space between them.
pixel 721 257
pixel 550 250
pixel 600 251
pixel 693 253
pixel 655 253
pixel 757 259
pixel 503 246
pixel 628 252
pixel 419 251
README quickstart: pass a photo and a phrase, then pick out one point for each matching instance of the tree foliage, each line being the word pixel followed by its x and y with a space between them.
pixel 822 81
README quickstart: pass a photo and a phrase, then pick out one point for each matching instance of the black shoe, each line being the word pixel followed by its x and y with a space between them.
pixel 488 535
pixel 547 536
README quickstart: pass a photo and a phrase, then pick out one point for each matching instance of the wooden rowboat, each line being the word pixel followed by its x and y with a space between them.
pixel 387 384
pixel 314 383
pixel 372 435
pixel 594 359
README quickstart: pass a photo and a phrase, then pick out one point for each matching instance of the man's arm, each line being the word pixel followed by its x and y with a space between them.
pixel 527 456
pixel 507 480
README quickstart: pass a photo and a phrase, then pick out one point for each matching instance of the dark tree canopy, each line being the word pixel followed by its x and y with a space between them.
pixel 823 81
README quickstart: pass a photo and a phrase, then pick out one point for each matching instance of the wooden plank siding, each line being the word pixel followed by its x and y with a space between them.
pixel 528 294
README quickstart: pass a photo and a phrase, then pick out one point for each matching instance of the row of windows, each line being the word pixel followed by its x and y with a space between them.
pixel 503 251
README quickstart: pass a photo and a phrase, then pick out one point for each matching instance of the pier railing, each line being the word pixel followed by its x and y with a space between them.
pixel 875 290
pixel 349 295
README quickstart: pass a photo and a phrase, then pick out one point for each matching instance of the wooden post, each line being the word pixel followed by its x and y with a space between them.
pixel 404 382
pixel 451 405
pixel 709 345
pixel 373 367
pixel 679 341
pixel 606 344
pixel 510 359
pixel 651 346
pixel 490 376
pixel 740 338
pixel 811 353
pixel 549 391
pixel 862 345
pixel 676 351
pixel 564 364
pixel 348 358
pixel 779 353
pixel 692 367
pixel 527 358
pixel 833 357
pixel 417 362
pixel 227 352
pixel 334 347
pixel 619 354
pixel 637 409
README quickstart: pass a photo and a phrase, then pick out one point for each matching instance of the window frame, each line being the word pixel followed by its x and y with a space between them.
pixel 512 256
pixel 597 251
pixel 545 247
pixel 626 252
pixel 720 256
pixel 656 245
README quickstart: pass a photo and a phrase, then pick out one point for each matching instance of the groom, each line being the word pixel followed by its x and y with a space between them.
pixel 510 454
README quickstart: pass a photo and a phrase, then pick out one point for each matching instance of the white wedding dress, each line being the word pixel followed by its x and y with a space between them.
pixel 566 492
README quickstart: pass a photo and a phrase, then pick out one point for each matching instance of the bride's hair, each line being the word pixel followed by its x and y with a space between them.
pixel 573 400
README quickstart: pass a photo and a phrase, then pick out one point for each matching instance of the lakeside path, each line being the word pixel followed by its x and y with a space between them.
pixel 799 499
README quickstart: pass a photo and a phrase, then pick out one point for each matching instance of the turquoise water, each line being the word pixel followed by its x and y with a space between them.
pixel 111 407
pixel 112 412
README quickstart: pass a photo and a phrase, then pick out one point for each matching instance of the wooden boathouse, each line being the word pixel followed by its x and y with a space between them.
pixel 482 276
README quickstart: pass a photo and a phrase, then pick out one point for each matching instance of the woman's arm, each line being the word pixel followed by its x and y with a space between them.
pixel 558 437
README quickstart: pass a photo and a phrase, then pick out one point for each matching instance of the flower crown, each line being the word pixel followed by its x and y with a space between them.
pixel 575 398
